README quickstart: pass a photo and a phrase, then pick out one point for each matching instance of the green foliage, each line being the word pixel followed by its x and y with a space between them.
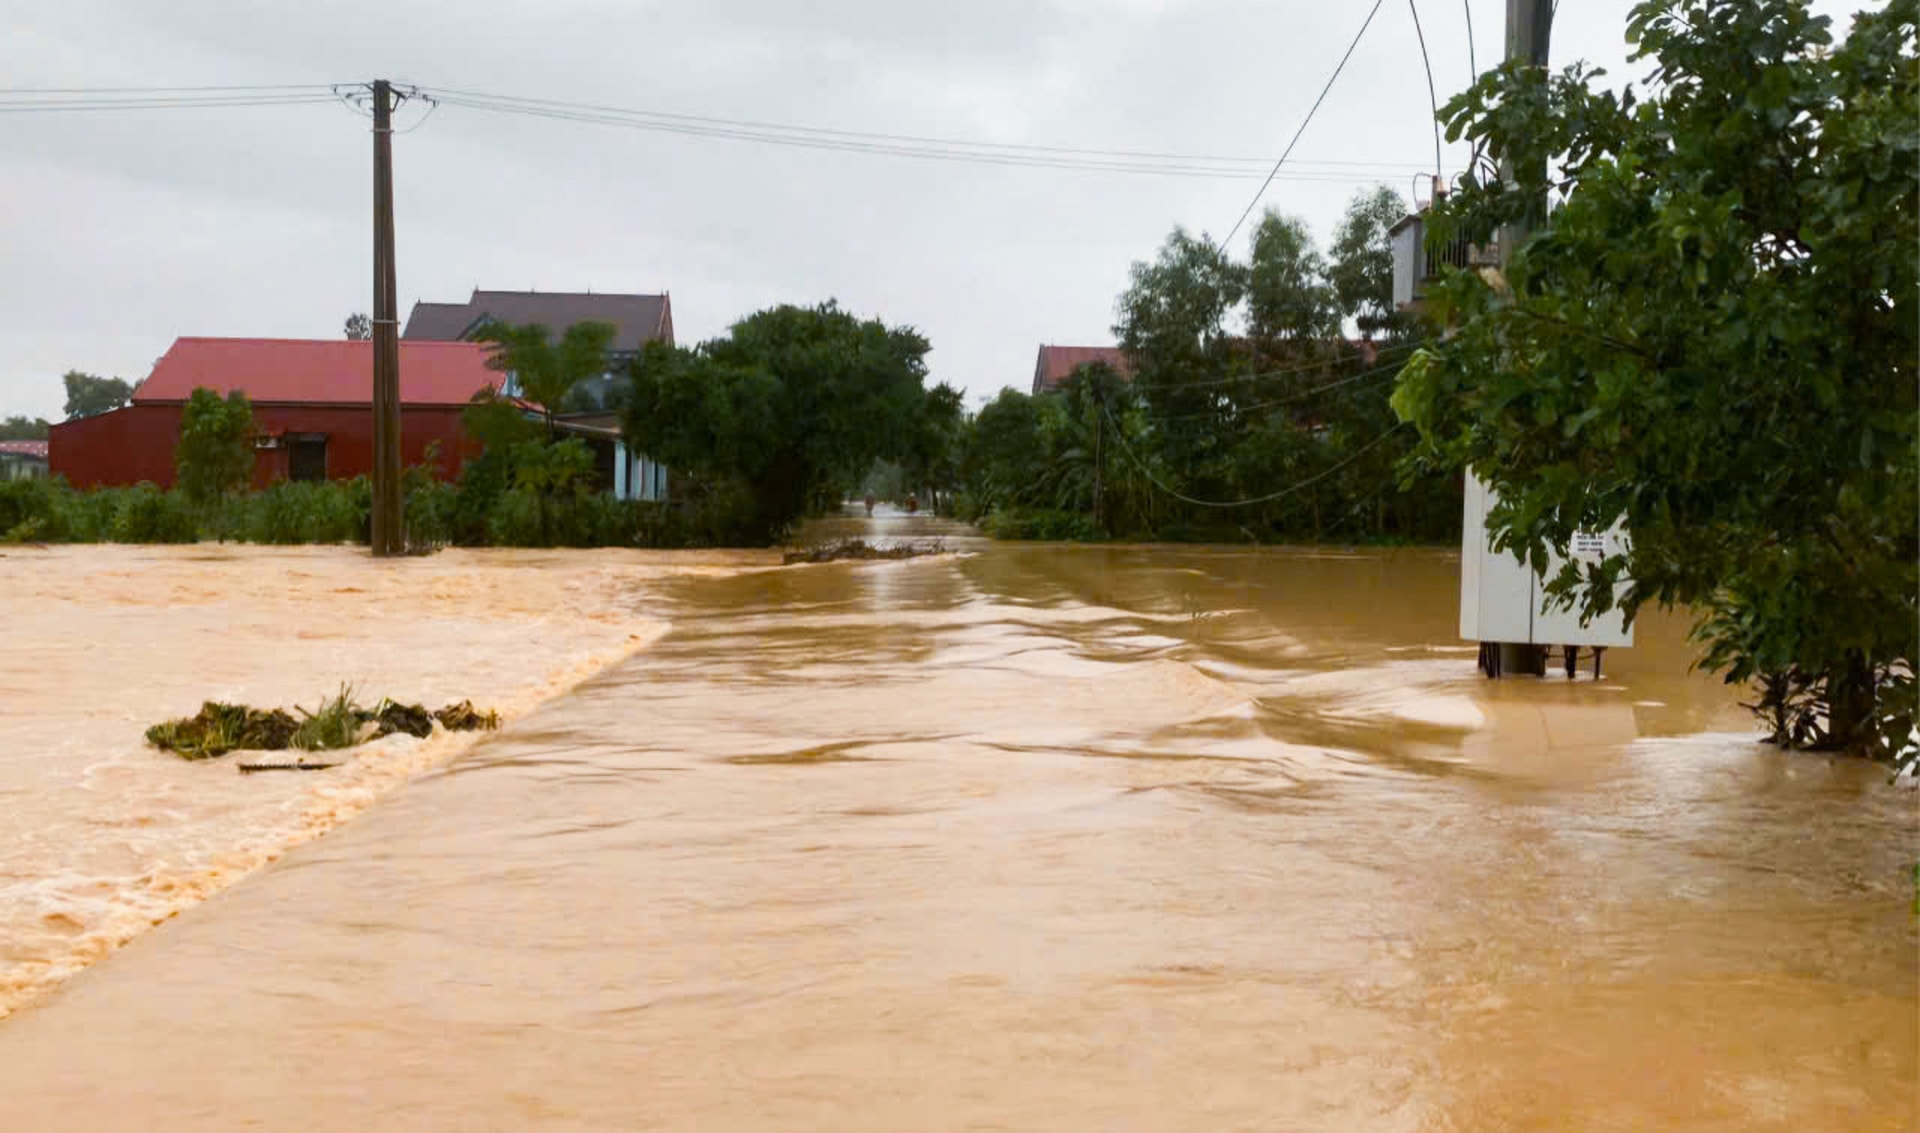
pixel 89 395
pixel 1713 339
pixel 145 514
pixel 1361 277
pixel 548 370
pixel 929 461
pixel 784 415
pixel 1041 524
pixel 215 453
pixel 24 429
pixel 1211 413
pixel 221 728
pixel 335 723
pixel 294 512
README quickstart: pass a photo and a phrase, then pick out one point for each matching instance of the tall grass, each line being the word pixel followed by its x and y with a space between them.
pixel 437 514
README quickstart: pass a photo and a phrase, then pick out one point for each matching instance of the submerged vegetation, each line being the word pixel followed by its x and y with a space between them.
pixel 861 550
pixel 337 722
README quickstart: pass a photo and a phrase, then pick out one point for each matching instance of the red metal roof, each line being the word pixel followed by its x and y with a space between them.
pixel 25 448
pixel 305 371
pixel 1057 363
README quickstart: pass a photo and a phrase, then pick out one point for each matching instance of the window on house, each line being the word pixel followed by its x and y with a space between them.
pixel 307 456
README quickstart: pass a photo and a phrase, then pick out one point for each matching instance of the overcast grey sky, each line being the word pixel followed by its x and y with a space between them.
pixel 121 231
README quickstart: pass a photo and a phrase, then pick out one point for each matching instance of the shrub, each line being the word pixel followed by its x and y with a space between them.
pixel 302 512
pixel 28 511
pixel 145 514
pixel 1043 525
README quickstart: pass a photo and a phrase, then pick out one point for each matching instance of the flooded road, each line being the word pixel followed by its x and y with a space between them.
pixel 1050 838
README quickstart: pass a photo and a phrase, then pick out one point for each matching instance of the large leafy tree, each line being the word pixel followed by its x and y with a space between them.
pixel 215 453
pixel 1711 338
pixel 788 411
pixel 548 369
pixel 88 394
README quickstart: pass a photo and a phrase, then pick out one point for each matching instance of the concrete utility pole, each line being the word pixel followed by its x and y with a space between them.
pixel 389 525
pixel 1529 27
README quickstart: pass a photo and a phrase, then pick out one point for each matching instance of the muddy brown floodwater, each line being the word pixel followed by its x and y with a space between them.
pixel 1038 837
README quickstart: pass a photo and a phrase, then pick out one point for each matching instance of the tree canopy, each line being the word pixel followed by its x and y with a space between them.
pixel 1243 381
pixel 787 412
pixel 89 395
pixel 1712 338
pixel 24 429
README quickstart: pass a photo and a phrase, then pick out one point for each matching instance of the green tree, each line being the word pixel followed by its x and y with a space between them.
pixel 790 409
pixel 89 395
pixel 1003 458
pixel 1289 298
pixel 547 370
pixel 24 429
pixel 359 327
pixel 215 455
pixel 1713 339
pixel 1362 271
pixel 1230 417
pixel 930 459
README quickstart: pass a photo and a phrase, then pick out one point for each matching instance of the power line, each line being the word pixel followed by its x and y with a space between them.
pixel 1121 437
pixel 163 90
pixel 1472 64
pixel 1372 375
pixel 1238 379
pixel 1433 99
pixel 1284 154
pixel 869 136
pixel 31 106
pixel 969 156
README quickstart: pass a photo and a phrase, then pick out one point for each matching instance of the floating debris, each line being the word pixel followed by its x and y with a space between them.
pixel 860 549
pixel 338 722
pixel 298 765
pixel 464 717
pixel 220 728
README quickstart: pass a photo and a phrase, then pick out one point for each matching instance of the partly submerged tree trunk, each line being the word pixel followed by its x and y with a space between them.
pixel 1850 698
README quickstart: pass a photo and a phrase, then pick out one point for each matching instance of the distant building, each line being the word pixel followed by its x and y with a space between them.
pixel 1057 363
pixel 312 404
pixel 23 460
pixel 593 418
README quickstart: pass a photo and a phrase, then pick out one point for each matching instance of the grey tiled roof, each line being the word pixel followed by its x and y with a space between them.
pixel 638 319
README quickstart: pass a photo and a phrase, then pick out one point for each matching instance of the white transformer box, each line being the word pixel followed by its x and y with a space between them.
pixel 1502 600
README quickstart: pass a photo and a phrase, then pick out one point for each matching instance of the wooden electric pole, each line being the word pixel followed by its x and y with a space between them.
pixel 389 525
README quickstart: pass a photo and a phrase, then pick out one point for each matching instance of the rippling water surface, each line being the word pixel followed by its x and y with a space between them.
pixel 1038 837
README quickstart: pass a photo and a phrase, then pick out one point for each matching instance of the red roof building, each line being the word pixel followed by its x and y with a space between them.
pixel 312 406
pixel 1057 363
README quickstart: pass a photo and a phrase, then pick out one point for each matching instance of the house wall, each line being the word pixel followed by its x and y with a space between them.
pixel 136 443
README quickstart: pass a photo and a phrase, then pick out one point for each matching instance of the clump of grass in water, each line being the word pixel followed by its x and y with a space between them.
pixel 337 722
pixel 333 725
pixel 860 549
pixel 220 728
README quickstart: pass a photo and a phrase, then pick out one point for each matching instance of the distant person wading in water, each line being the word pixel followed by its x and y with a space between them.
pixel 870 502
pixel 913 504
